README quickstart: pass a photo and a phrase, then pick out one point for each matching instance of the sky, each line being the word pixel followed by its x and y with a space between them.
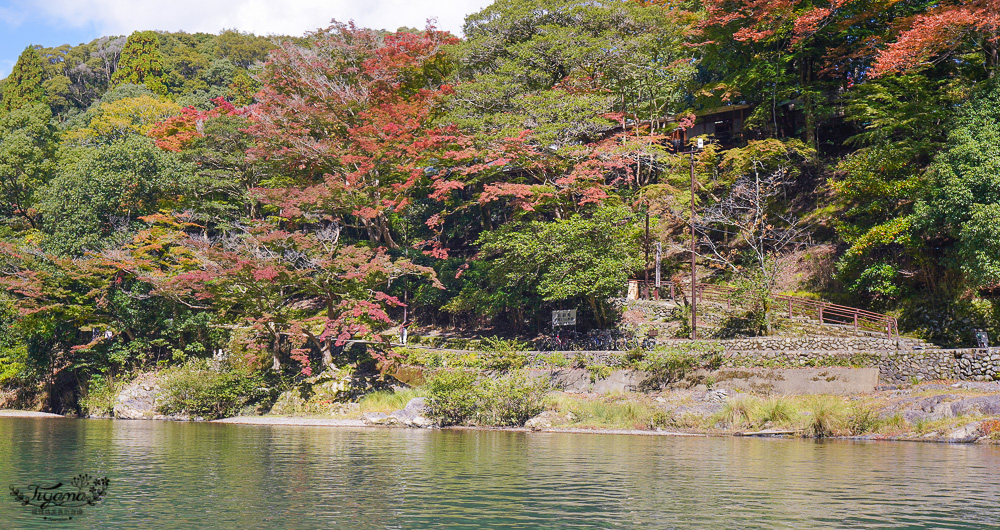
pixel 56 22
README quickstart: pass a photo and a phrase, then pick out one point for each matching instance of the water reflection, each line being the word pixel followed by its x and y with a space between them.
pixel 187 475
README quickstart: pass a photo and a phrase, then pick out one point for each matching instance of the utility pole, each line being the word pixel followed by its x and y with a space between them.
pixel 694 273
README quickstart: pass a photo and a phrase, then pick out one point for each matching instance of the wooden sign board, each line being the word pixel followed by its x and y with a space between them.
pixel 566 317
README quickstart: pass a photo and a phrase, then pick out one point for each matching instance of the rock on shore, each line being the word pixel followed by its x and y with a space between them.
pixel 138 401
pixel 413 415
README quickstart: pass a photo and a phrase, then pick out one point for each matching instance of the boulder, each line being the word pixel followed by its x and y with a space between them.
pixel 966 434
pixel 138 401
pixel 721 395
pixel 986 405
pixel 418 405
pixel 413 415
pixel 374 418
pixel 290 402
pixel 701 409
pixel 548 419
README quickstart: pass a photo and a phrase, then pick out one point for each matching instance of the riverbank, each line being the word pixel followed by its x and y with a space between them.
pixel 944 412
pixel 27 414
pixel 941 411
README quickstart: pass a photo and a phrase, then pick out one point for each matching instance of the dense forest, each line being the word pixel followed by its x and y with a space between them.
pixel 167 196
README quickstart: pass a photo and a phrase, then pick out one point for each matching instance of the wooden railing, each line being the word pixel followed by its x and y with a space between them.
pixel 795 306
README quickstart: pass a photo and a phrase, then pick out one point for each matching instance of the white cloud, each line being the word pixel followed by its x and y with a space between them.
pixel 10 16
pixel 262 17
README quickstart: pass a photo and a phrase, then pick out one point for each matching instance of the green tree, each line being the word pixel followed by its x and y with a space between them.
pixel 24 85
pixel 27 159
pixel 242 49
pixel 960 210
pixel 561 67
pixel 123 117
pixel 98 198
pixel 242 89
pixel 140 63
pixel 903 122
pixel 585 257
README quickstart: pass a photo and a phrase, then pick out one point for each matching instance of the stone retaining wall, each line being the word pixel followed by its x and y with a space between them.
pixel 968 364
pixel 895 366
pixel 978 365
pixel 832 344
pixel 903 367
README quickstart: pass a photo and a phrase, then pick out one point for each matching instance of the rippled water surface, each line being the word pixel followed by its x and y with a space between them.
pixel 187 475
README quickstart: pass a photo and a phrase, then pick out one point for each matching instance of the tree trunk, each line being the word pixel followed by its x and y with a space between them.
pixel 327 352
pixel 275 355
pixel 378 231
pixel 384 233
pixel 991 57
pixel 809 111
pixel 767 317
pixel 593 307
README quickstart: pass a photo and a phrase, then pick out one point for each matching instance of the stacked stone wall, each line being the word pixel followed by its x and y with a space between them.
pixel 895 366
pixel 898 360
pixel 819 344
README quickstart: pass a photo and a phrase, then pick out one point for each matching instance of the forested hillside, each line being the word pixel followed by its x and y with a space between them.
pixel 165 196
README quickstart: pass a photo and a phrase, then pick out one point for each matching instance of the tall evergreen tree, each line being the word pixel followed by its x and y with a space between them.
pixel 140 63
pixel 24 85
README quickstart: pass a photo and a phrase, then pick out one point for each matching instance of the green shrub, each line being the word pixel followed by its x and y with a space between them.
pixel 599 371
pixel 460 397
pixel 666 366
pixel 439 359
pixel 501 354
pixel 389 400
pixel 509 400
pixel 862 418
pixel 195 388
pixel 453 398
pixel 556 358
pixel 660 419
pixel 100 394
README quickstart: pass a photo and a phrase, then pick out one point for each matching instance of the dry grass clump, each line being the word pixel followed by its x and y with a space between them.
pixel 775 411
pixel 388 400
pixel 609 412
pixel 737 413
pixel 824 415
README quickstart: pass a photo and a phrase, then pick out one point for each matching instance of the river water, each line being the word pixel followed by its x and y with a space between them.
pixel 188 475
